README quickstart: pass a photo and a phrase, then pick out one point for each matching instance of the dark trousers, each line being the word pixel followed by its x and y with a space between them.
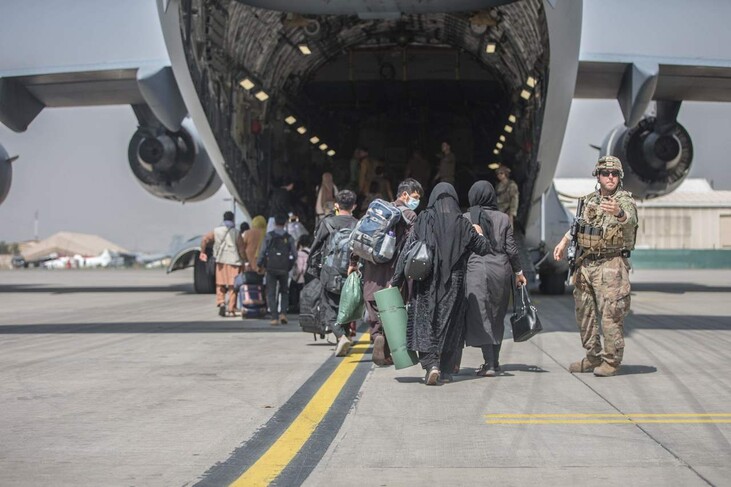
pixel 330 304
pixel 444 361
pixel 375 327
pixel 491 354
pixel 277 279
pixel 294 296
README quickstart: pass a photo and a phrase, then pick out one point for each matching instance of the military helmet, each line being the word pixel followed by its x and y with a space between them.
pixel 502 168
pixel 608 162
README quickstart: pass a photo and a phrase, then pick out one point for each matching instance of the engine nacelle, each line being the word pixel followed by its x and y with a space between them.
pixel 655 159
pixel 173 165
pixel 6 174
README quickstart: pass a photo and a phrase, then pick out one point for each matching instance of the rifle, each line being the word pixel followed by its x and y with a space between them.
pixel 572 253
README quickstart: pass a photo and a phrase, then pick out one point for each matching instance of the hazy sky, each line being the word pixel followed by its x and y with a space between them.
pixel 73 167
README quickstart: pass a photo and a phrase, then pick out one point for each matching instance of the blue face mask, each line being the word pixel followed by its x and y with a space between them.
pixel 413 203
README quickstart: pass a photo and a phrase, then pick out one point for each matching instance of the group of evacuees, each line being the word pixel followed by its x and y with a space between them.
pixel 252 256
pixel 464 301
pixel 475 267
pixel 474 264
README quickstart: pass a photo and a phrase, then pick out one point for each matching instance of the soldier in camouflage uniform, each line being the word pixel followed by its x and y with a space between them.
pixel 507 193
pixel 606 236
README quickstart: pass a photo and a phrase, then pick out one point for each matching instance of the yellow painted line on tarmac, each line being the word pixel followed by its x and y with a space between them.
pixel 278 456
pixel 610 418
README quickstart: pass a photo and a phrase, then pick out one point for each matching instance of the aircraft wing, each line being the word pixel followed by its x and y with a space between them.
pixel 601 76
pixel 23 94
pixel 635 81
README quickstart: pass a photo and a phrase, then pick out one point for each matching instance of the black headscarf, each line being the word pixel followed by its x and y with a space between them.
pixel 482 197
pixel 439 226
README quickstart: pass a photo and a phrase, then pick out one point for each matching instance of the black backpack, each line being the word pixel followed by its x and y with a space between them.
pixel 311 319
pixel 336 258
pixel 278 252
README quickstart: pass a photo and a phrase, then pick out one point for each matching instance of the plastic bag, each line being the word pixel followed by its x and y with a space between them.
pixel 352 304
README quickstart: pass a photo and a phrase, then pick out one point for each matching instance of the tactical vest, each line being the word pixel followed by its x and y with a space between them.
pixel 224 246
pixel 600 233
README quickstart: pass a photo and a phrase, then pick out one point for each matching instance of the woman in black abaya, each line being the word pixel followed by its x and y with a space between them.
pixel 435 326
pixel 490 278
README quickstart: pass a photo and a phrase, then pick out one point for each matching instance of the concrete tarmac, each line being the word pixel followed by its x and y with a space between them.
pixel 129 378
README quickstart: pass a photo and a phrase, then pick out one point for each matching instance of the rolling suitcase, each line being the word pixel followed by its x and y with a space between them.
pixel 251 301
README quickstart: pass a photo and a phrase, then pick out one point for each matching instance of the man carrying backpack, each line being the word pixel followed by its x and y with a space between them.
pixel 278 256
pixel 376 276
pixel 330 259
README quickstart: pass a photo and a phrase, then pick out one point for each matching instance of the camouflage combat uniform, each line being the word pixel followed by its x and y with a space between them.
pixel 507 197
pixel 602 287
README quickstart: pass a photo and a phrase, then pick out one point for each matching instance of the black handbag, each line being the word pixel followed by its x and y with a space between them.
pixel 418 261
pixel 524 320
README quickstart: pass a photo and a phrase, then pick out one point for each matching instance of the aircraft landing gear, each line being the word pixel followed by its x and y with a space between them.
pixel 204 277
pixel 553 283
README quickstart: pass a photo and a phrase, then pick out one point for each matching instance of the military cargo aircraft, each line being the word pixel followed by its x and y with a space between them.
pixel 259 89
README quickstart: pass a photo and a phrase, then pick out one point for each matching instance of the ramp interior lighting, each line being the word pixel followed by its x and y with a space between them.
pixel 493 165
pixel 496 151
pixel 508 128
pixel 525 94
pixel 261 95
pixel 290 120
pixel 512 119
pixel 499 145
pixel 490 47
pixel 247 84
pixel 502 138
pixel 323 147
pixel 304 49
pixel 331 152
pixel 314 139
pixel 531 81
pixel 301 130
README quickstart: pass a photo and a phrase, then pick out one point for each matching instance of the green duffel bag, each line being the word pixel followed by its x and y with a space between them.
pixel 352 304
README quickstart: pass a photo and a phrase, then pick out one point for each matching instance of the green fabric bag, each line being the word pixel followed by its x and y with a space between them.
pixel 352 304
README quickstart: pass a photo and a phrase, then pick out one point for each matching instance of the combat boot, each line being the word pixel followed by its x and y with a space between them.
pixel 606 370
pixel 582 366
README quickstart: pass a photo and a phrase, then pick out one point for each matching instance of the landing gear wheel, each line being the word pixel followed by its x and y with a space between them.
pixel 204 277
pixel 553 283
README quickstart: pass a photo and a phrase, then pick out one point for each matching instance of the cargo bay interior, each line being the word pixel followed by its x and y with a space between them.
pixel 290 94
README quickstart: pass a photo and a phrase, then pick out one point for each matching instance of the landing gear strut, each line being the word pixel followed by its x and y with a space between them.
pixel 204 276
pixel 553 283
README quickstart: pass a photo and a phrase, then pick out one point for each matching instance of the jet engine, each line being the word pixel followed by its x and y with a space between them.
pixel 172 165
pixel 656 156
